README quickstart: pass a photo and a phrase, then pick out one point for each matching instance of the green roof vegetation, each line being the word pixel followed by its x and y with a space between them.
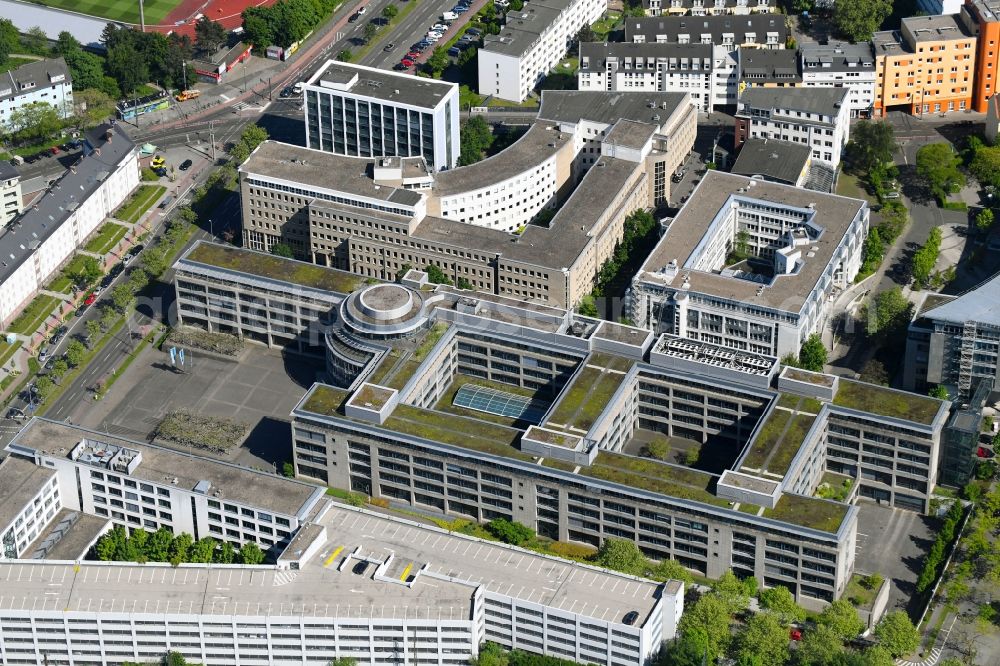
pixel 657 477
pixel 586 397
pixel 746 507
pixel 368 394
pixel 387 363
pixel 769 434
pixel 778 440
pixel 817 378
pixel 610 361
pixel 555 438
pixel 886 402
pixel 325 400
pixel 401 374
pixel 460 431
pixel 274 267
pixel 558 464
pixel 810 512
pixel 788 400
pixel 430 339
pixel 857 593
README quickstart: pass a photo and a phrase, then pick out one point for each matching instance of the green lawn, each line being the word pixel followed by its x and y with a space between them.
pixel 36 312
pixel 60 284
pixel 14 63
pixel 141 201
pixel 107 237
pixel 7 352
pixel 126 11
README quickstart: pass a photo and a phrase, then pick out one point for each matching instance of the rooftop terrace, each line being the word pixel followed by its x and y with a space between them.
pixel 273 267
pixel 887 402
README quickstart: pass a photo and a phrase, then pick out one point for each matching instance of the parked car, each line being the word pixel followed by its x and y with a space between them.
pixel 388 47
pixel 406 62
pixel 43 353
pixel 57 336
pixel 185 165
pixel 892 195
pixel 91 297
pixel 54 150
pixel 399 67
pixel 474 31
pixel 454 51
pixel 161 172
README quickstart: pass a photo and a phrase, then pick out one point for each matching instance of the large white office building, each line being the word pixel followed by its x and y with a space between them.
pixel 42 81
pixel 841 65
pixel 804 248
pixel 35 244
pixel 531 42
pixel 816 117
pixel 632 67
pixel 368 112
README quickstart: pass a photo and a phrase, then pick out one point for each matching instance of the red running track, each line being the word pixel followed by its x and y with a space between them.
pixel 226 12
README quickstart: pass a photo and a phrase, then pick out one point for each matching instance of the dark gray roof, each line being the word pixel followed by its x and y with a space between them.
pixel 572 106
pixel 522 28
pixel 36 223
pixel 837 57
pixel 935 28
pixel 8 171
pixel 981 305
pixel 597 53
pixel 780 161
pixel 383 85
pixel 36 74
pixel 825 101
pixel 670 26
pixel 769 65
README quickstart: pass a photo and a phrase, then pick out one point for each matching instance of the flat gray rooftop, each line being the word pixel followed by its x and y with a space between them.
pixel 521 29
pixel 825 101
pixel 20 238
pixel 161 466
pixel 382 85
pixel 979 304
pixel 68 536
pixel 888 43
pixel 837 57
pixel 783 161
pixel 322 169
pixel 597 593
pixel 770 65
pixel 20 480
pixel 935 28
pixel 833 212
pixel 630 134
pixel 572 106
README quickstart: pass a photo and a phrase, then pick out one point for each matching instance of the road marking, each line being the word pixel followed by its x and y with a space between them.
pixel 333 556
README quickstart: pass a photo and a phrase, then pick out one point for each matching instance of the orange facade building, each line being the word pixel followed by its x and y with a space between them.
pixel 982 19
pixel 927 66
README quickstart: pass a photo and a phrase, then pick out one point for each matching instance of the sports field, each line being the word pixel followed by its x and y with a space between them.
pixel 126 11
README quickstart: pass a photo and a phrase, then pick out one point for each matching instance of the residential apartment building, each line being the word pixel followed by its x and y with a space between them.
pixel 955 341
pixel 29 499
pixel 375 218
pixel 45 81
pixel 803 248
pixel 706 7
pixel 769 68
pixel 530 44
pixel 141 486
pixel 305 610
pixel 775 161
pixel 628 66
pixel 727 35
pixel 981 18
pixel 36 244
pixel 841 65
pixel 368 112
pixel 10 192
pixel 992 129
pixel 927 66
pixel 818 118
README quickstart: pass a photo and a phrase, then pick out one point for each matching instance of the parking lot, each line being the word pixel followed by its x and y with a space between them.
pixel 259 390
pixel 893 542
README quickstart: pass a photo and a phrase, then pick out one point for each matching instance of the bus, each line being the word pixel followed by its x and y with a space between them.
pixel 185 95
pixel 130 109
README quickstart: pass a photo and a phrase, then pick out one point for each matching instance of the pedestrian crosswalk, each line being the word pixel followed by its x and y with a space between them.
pixel 285 577
pixel 931 659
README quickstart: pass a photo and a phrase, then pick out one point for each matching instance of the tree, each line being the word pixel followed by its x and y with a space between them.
pixel 510 532
pixel 36 41
pixel 889 313
pixel 872 144
pixel 109 543
pixel 225 554
pixel 878 655
pixel 180 547
pixel 659 449
pixel 672 570
pixel 122 297
pixel 43 387
pixel 689 649
pixel 731 591
pixel 819 646
pixel 709 616
pixel 858 19
pixel 464 284
pixel 490 654
pixel 476 140
pixel 202 550
pixel 437 63
pixel 93 332
pixel 925 259
pixel 158 545
pixel 59 368
pixel 34 122
pixel 282 250
pixel 436 275
pixel 621 555
pixel 984 220
pixel 209 35
pixel 587 306
pixel 252 136
pixel 257 28
pixel 812 354
pixel 250 553
pixel 390 12
pixel 93 107
pixel 10 39
pixel 585 35
pixel 937 166
pixel 897 634
pixel 345 55
pixel 874 372
pixel 763 641
pixel 939 391
pixel 154 261
pixel 780 601
pixel 127 67
pixel 985 165
pixel 75 353
pixel 369 31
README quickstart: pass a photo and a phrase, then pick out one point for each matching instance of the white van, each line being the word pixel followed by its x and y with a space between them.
pixel 297 88
pixel 449 16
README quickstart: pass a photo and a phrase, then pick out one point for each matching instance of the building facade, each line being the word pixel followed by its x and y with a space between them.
pixel 531 43
pixel 842 65
pixel 818 118
pixel 927 66
pixel 706 7
pixel 45 235
pixel 30 500
pixel 367 112
pixel 39 82
pixel 10 192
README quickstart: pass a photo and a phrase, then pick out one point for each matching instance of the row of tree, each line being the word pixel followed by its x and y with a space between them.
pixel 285 22
pixel 639 234
pixel 925 258
pixel 163 546
pixel 937 554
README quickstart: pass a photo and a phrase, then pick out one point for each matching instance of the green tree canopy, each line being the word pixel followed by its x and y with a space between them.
pixel 925 258
pixel 75 353
pixel 819 647
pixel 390 12
pixel 858 19
pixel 34 122
pixel 250 553
pixel 437 63
pixel 763 641
pixel 842 618
pixel 872 144
pixel 897 634
pixel 671 570
pixel 621 555
pixel 813 354
pixel 937 166
pixel 510 532
pixel 369 31
pixel 709 616
pixel 985 165
pixel 731 591
pixel 780 601
pixel 209 35
pixel 10 39
pixel 889 313
pixel 282 250
pixel 436 275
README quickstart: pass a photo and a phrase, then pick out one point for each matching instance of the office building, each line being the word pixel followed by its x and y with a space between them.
pixel 37 243
pixel 818 118
pixel 727 35
pixel 802 248
pixel 532 41
pixel 955 341
pixel 925 83
pixel 45 81
pixel 631 67
pixel 841 65
pixel 375 218
pixel 10 192
pixel 145 486
pixel 775 161
pixel 368 112
pixel 706 7
pixel 353 584
pixel 29 499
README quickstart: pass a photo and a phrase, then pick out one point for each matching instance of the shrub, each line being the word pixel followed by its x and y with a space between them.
pixel 509 532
